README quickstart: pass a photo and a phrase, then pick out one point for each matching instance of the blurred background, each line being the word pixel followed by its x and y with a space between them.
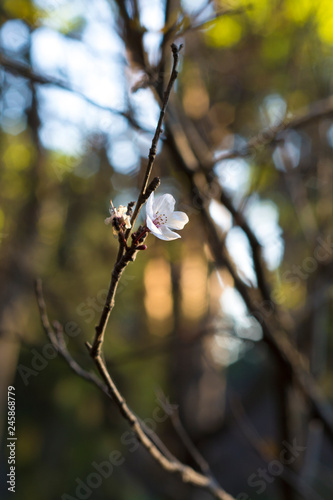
pixel 79 87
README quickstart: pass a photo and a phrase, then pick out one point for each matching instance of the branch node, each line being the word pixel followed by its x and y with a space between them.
pixel 130 207
pixel 88 346
pixel 151 188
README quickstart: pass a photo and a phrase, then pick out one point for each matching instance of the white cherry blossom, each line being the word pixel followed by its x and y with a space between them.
pixel 161 217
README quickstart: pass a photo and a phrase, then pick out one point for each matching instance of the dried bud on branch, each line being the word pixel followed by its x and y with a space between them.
pixel 152 187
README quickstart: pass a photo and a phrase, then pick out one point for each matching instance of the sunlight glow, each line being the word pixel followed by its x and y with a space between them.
pixel 234 175
pixel 194 287
pixel 264 219
pixel 239 249
pixel 158 297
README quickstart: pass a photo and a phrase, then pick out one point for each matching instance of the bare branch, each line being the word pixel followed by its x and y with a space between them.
pixel 318 111
pixel 240 221
pixel 186 473
pixel 43 314
pixel 120 265
pixel 277 339
pixel 173 412
pixel 57 340
pixel 149 440
pixel 25 71
pixel 127 254
pixel 158 131
pixel 263 449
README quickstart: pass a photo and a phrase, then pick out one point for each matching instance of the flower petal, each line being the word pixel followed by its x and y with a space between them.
pixel 127 221
pixel 177 220
pixel 164 204
pixel 150 206
pixel 151 226
pixel 167 234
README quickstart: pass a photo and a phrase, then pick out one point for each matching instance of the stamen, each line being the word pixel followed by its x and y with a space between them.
pixel 160 219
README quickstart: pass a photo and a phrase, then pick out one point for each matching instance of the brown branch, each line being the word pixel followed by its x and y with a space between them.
pixel 57 340
pixel 277 339
pixel 196 25
pixel 120 265
pixel 163 46
pixel 25 71
pixel 186 473
pixel 318 111
pixel 177 424
pixel 131 32
pixel 183 24
pixel 43 314
pixel 158 451
pixel 240 221
pixel 125 254
pixel 157 441
pixel 165 459
pixel 152 152
pixel 56 337
pixel 263 449
pixel 188 136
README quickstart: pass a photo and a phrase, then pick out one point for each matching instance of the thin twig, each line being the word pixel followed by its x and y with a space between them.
pixel 57 340
pixel 158 131
pixel 187 474
pixel 178 136
pixel 240 221
pixel 147 438
pixel 173 413
pixel 278 341
pixel 316 111
pixel 263 449
pixel 43 314
pixel 214 17
pixel 157 441
pixel 125 254
pixel 25 71
pixel 117 272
